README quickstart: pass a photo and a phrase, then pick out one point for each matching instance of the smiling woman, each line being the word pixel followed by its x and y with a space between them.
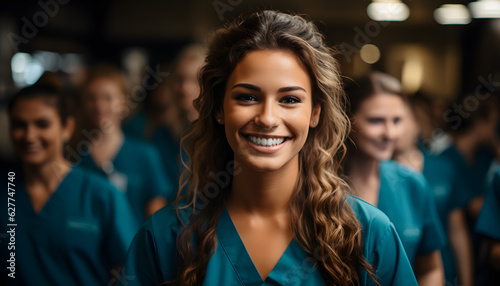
pixel 271 108
pixel 73 227
pixel 377 105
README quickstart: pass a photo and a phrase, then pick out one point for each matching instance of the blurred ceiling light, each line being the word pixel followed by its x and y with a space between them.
pixel 452 14
pixel 388 10
pixel 370 54
pixel 412 73
pixel 485 9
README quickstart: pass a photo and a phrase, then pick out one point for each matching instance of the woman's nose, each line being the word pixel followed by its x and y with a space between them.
pixel 267 116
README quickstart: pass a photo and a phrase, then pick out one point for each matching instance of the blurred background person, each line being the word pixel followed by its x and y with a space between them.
pixel 169 109
pixel 133 166
pixel 410 151
pixel 407 149
pixel 488 225
pixel 376 108
pixel 73 227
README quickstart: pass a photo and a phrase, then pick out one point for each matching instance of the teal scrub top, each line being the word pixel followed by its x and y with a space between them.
pixel 488 222
pixel 406 199
pixel 136 125
pixel 138 172
pixel 152 257
pixel 81 233
pixel 169 149
pixel 454 183
pixel 165 143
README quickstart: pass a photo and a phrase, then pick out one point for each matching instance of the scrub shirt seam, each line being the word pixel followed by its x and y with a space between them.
pixel 157 254
pixel 230 260
pixel 387 232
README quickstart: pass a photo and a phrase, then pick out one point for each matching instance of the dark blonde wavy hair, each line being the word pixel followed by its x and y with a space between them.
pixel 322 220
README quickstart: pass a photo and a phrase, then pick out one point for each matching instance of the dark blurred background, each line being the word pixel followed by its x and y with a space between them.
pixel 66 36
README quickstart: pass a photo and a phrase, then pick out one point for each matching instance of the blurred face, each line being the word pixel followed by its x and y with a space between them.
pixel 410 130
pixel 103 99
pixel 161 100
pixel 487 127
pixel 36 131
pixel 377 125
pixel 268 110
pixel 185 83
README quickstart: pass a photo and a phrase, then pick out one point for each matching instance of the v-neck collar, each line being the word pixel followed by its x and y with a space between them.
pixel 113 160
pixel 233 246
pixel 57 192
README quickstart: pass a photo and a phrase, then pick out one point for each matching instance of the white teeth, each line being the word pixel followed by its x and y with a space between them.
pixel 266 142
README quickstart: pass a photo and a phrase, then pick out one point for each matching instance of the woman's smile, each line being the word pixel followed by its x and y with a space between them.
pixel 266 143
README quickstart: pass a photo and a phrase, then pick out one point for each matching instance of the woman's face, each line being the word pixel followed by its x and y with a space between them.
pixel 376 125
pixel 185 82
pixel 36 131
pixel 410 130
pixel 103 100
pixel 268 110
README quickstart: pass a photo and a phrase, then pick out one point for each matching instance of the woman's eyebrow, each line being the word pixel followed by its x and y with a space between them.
pixel 247 86
pixel 256 88
pixel 291 88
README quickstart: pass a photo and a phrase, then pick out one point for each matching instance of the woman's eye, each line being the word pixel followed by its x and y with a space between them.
pixel 246 97
pixel 290 100
pixel 375 120
pixel 397 120
pixel 43 124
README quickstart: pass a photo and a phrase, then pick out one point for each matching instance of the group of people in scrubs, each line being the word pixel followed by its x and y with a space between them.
pixel 254 163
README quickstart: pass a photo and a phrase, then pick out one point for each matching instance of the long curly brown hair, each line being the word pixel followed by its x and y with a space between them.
pixel 322 220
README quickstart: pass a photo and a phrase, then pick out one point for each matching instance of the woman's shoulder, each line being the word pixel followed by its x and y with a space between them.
pixel 371 218
pixel 402 173
pixel 165 224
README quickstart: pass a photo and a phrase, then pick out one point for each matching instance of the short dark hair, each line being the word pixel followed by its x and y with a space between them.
pixel 54 96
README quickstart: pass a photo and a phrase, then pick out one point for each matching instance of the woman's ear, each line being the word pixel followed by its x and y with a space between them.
pixel 219 117
pixel 315 116
pixel 69 128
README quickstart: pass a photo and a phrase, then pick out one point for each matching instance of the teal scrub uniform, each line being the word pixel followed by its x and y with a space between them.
pixel 169 149
pixel 488 222
pixel 136 125
pixel 138 172
pixel 454 184
pixel 81 233
pixel 165 143
pixel 406 199
pixel 152 257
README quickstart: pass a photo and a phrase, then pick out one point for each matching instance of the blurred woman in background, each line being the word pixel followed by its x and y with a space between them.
pixel 376 109
pixel 73 227
pixel 408 151
pixel 169 110
pixel 459 176
pixel 134 167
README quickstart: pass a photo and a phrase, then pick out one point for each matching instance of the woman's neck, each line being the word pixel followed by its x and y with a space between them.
pixel 48 175
pixel 363 172
pixel 412 157
pixel 266 193
pixel 106 148
pixel 362 167
pixel 467 146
